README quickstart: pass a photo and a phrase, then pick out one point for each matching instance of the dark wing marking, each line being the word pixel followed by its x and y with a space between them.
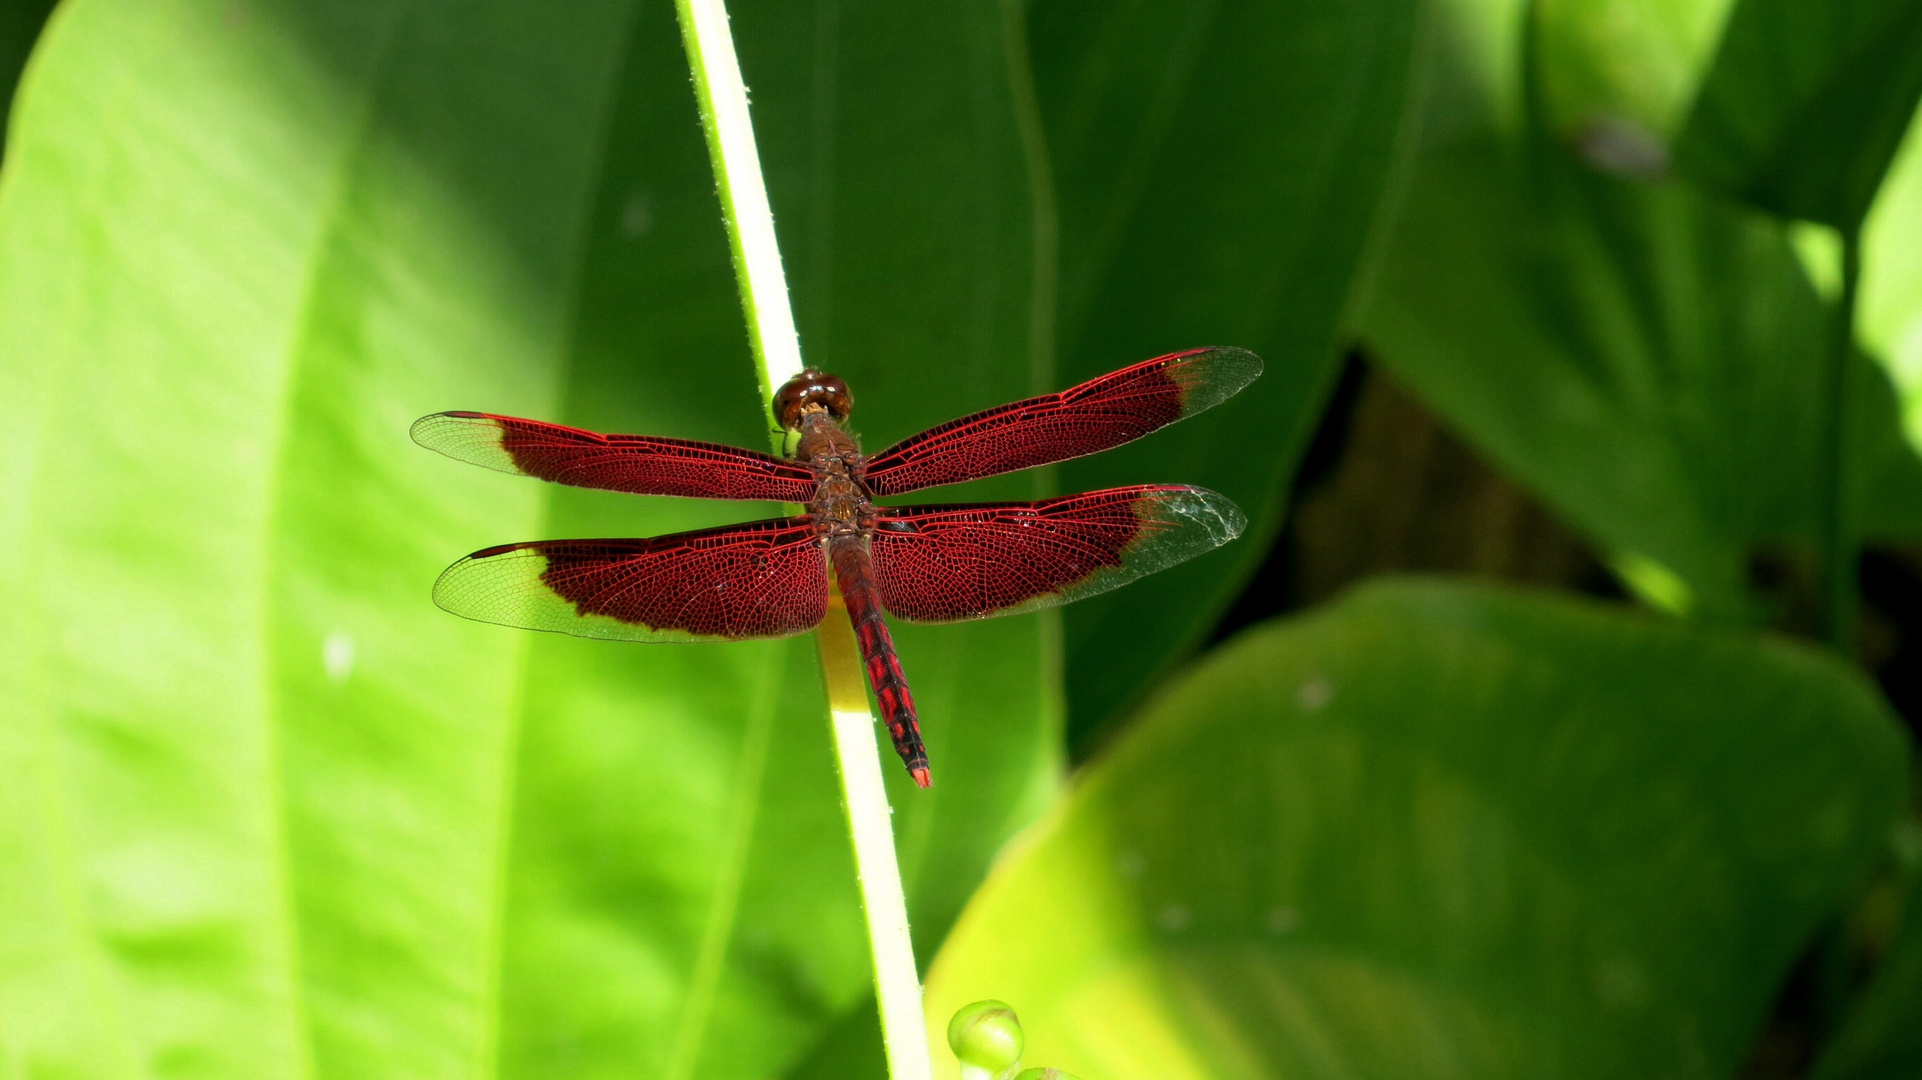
pixel 947 563
pixel 641 464
pixel 1098 415
pixel 764 579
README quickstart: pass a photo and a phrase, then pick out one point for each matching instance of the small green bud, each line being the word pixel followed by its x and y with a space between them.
pixel 1045 1074
pixel 986 1035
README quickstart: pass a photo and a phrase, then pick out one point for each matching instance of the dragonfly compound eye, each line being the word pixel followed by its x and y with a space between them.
pixel 812 387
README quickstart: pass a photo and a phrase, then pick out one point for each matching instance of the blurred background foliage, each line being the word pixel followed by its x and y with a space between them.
pixel 1603 315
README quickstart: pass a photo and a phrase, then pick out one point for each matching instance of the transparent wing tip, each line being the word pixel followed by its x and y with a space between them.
pixel 1213 514
pixel 1213 375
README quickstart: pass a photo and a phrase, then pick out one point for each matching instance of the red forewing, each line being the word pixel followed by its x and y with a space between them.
pixel 760 580
pixel 946 563
pixel 1097 415
pixel 640 464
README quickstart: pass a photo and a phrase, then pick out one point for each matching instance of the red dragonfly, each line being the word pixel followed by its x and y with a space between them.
pixel 769 579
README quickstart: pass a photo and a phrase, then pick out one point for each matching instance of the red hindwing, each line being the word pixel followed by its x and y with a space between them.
pixel 1098 415
pixel 764 579
pixel 641 464
pixel 947 563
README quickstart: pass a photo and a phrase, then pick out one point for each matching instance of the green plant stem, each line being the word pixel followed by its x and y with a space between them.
pixel 722 96
pixel 1836 539
pixel 777 350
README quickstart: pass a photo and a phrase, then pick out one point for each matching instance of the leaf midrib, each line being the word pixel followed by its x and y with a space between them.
pixel 366 96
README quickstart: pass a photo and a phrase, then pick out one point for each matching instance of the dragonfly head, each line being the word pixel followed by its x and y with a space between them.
pixel 812 387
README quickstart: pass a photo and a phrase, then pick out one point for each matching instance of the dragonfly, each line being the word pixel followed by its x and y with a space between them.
pixel 920 563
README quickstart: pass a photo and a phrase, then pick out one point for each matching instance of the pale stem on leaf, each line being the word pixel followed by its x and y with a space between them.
pixel 764 299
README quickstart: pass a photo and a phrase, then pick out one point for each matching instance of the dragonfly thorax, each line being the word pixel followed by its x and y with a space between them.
pixel 841 505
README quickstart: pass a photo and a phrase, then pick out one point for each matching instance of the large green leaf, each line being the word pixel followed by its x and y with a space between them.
pixel 1440 830
pixel 1257 249
pixel 1640 354
pixel 271 812
pixel 1806 103
pixel 912 258
pixel 1217 166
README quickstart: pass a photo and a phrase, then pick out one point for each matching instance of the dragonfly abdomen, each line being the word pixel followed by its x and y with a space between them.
pixel 854 572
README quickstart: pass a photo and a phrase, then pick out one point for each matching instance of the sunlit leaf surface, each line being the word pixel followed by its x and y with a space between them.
pixel 1441 831
pixel 271 813
pixel 1890 319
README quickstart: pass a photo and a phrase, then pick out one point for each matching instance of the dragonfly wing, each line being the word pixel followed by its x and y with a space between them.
pixel 641 464
pixel 764 579
pixel 1098 415
pixel 949 563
